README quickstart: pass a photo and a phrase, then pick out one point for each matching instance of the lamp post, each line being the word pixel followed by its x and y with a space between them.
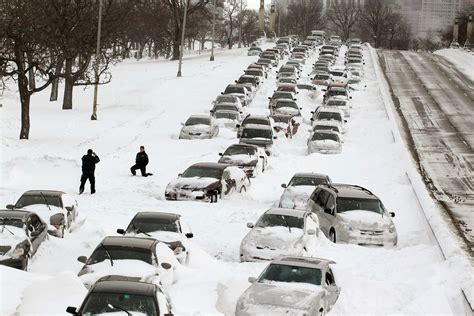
pixel 213 30
pixel 182 38
pixel 97 62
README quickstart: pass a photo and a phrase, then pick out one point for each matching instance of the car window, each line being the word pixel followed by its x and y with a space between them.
pixel 35 222
pixel 226 175
pixel 329 277
pixel 330 202
pixel 322 198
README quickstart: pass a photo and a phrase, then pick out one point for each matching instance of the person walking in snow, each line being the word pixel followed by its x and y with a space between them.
pixel 88 169
pixel 140 163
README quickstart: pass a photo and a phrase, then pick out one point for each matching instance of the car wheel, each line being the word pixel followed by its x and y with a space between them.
pixel 243 189
pixel 332 235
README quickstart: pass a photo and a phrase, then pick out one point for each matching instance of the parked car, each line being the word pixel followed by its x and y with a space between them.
pixel 259 67
pixel 293 88
pixel 286 107
pixel 324 142
pixel 226 107
pixel 21 232
pixel 239 91
pixel 252 83
pixel 280 232
pixel 328 114
pixel 256 73
pixel 199 127
pixel 291 286
pixel 284 81
pixel 207 181
pixel 260 135
pixel 340 103
pixel 280 122
pixel 299 189
pixel 228 99
pixel 321 79
pixel 56 208
pixel 115 294
pixel 334 126
pixel 145 258
pixel 227 119
pixel 352 214
pixel 254 51
pixel 254 120
pixel 280 95
pixel 250 158
pixel 168 228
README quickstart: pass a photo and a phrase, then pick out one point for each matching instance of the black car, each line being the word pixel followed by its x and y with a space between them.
pixel 21 232
pixel 124 295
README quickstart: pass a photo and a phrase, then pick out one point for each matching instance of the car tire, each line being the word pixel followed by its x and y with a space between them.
pixel 332 235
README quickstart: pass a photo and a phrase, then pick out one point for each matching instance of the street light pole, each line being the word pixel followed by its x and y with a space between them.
pixel 97 62
pixel 182 38
pixel 213 30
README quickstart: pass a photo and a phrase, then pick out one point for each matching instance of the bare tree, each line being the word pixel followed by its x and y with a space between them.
pixel 231 13
pixel 301 17
pixel 343 16
pixel 375 15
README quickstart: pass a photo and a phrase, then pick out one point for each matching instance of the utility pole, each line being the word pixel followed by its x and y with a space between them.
pixel 97 62
pixel 182 38
pixel 213 30
pixel 240 25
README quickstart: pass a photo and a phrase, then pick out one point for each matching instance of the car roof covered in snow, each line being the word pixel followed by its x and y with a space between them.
pixel 286 212
pixel 44 192
pixel 129 242
pixel 352 191
pixel 156 215
pixel 20 214
pixel 211 165
pixel 123 285
pixel 257 126
pixel 200 116
pixel 318 263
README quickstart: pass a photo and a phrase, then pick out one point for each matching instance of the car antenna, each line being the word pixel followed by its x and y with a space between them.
pixel 44 197
pixel 108 254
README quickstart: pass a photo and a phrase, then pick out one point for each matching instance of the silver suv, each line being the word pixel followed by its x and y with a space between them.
pixel 352 214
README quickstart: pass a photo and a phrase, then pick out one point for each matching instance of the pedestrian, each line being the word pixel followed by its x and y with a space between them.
pixel 140 163
pixel 88 169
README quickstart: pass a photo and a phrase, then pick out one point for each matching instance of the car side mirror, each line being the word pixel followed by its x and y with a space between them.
pixel 180 174
pixel 212 111
pixel 283 185
pixel 350 97
pixel 311 231
pixel 269 98
pixel 222 92
pixel 237 125
pixel 252 279
pixel 392 214
pixel 220 154
pixel 262 157
pixel 82 259
pixel 301 108
pixel 71 310
pixel 189 235
pixel 235 81
pixel 166 265
pixel 274 137
pixel 250 225
pixel 345 121
pixel 121 231
pixel 10 206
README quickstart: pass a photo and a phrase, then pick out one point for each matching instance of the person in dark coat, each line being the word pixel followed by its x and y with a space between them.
pixel 88 169
pixel 140 163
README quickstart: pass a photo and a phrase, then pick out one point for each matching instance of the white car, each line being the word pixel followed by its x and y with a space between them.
pixel 285 81
pixel 199 127
pixel 285 107
pixel 291 286
pixel 278 232
pixel 227 119
pixel 328 114
pixel 239 91
pixel 168 228
pixel 250 158
pixel 253 120
pixel 341 103
pixel 324 142
pixel 299 189
pixel 146 258
pixel 228 99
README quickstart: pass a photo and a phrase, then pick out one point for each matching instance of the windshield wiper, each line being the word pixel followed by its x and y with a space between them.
pixel 139 231
pixel 4 227
pixel 46 201
pixel 286 222
pixel 108 254
pixel 120 308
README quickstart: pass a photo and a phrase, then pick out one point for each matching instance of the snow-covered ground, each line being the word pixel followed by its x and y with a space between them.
pixel 461 59
pixel 144 105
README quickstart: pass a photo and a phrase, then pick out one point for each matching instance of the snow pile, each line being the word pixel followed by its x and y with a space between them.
pixel 461 59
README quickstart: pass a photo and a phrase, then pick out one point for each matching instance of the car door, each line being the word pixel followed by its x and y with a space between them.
pixel 330 205
pixel 332 287
pixel 324 218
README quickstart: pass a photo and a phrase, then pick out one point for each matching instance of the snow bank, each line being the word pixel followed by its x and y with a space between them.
pixel 461 59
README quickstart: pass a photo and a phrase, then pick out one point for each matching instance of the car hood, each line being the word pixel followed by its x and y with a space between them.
pixel 287 110
pixel 283 294
pixel 196 128
pixel 192 183
pixel 239 160
pixel 277 237
pixel 327 143
pixel 296 195
pixel 132 268
pixel 365 219
pixel 10 237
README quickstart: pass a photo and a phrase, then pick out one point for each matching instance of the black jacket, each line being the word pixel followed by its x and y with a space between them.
pixel 88 163
pixel 142 159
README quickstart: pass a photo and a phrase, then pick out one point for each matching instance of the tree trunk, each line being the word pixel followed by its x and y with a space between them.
pixel 176 43
pixel 68 85
pixel 31 74
pixel 25 115
pixel 55 84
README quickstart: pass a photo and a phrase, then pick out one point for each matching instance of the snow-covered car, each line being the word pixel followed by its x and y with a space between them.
pixel 280 95
pixel 291 70
pixel 280 232
pixel 328 114
pixel 254 120
pixel 263 68
pixel 239 91
pixel 352 214
pixel 57 209
pixel 227 119
pixel 286 107
pixel 291 286
pixel 321 79
pixel 310 89
pixel 299 189
pixel 293 88
pixel 115 294
pixel 267 62
pixel 228 99
pixel 284 81
pixel 254 51
pixel 354 76
pixel 280 122
pixel 338 75
pixel 252 159
pixel 145 258
pixel 340 103
pixel 260 135
pixel 168 228
pixel 252 83
pixel 21 233
pixel 207 181
pixel 299 56
pixel 333 126
pixel 199 127
pixel 226 107
pixel 256 73
pixel 324 142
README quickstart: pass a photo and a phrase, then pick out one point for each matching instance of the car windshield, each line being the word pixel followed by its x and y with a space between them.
pixel 97 303
pixel 16 222
pixel 226 98
pixel 281 118
pixel 120 253
pixel 197 121
pixel 324 136
pixel 201 172
pixel 255 48
pixel 256 133
pixel 321 77
pixel 337 73
pixel 225 107
pixel 246 80
pixel 336 103
pixel 156 224
pixel 287 273
pixel 351 204
pixel 287 80
pixel 226 115
pixel 286 104
pixel 287 69
pixel 329 116
pixel 333 92
pixel 253 72
pixel 326 128
pixel 234 90
pixel 273 220
pixel 282 95
pixel 295 181
pixel 258 121
pixel 30 199
pixel 240 150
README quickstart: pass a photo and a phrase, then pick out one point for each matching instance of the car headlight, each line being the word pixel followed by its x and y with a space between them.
pixel 17 252
pixel 347 226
